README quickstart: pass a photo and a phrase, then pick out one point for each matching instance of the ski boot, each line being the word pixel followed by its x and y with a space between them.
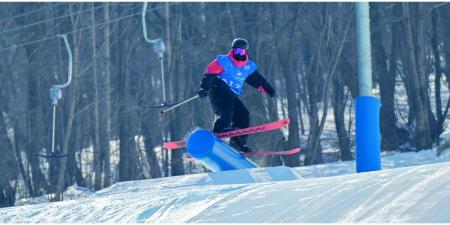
pixel 246 148
pixel 238 144
pixel 229 128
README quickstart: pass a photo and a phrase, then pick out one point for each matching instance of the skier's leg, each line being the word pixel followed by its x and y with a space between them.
pixel 241 116
pixel 241 119
pixel 223 110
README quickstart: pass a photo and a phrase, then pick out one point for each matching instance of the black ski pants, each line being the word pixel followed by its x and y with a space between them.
pixel 229 112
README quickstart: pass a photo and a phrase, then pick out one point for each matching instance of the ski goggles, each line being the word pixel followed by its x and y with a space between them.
pixel 238 51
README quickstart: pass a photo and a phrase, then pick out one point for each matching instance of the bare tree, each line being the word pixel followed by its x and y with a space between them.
pixel 422 136
pixel 107 94
pixel 392 135
pixel 8 166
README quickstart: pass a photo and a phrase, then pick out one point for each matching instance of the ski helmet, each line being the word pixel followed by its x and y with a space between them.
pixel 240 43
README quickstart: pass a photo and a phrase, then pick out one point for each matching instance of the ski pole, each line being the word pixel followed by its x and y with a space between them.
pixel 179 104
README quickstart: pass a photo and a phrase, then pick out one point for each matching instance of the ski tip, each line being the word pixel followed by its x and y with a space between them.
pixel 169 146
pixel 273 153
pixel 174 145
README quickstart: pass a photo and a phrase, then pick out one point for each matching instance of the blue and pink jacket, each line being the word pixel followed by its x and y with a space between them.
pixel 234 73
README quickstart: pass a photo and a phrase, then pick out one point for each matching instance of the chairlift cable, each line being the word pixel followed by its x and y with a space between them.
pixel 81 29
pixel 30 12
pixel 49 20
pixel 45 20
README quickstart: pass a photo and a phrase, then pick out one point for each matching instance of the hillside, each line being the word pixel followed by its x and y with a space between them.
pixel 280 194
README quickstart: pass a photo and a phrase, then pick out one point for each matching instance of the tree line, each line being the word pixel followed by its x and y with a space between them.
pixel 108 131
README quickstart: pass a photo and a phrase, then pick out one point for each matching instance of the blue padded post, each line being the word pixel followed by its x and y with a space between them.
pixel 214 154
pixel 368 138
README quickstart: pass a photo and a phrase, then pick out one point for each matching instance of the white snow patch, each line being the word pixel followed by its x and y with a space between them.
pixel 72 192
pixel 323 193
pixel 445 135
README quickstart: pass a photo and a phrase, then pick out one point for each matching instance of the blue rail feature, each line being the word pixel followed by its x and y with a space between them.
pixel 368 138
pixel 215 154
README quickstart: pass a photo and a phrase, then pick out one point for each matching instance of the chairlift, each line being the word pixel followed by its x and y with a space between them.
pixel 159 48
pixel 55 96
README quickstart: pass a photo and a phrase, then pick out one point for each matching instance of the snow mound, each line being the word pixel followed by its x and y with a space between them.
pixel 445 135
pixel 72 192
pixel 257 175
pixel 412 194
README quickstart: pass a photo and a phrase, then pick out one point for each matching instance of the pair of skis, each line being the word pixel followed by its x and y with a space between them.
pixel 251 130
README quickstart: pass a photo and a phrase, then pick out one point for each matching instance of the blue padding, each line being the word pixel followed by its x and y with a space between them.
pixel 214 154
pixel 368 138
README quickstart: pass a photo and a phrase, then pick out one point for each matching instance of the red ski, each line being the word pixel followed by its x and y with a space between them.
pixel 263 153
pixel 250 130
pixel 287 152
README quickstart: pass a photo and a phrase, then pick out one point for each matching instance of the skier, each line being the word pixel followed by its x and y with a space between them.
pixel 223 81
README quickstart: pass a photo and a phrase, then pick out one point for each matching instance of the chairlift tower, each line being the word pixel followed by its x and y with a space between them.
pixel 56 94
pixel 159 48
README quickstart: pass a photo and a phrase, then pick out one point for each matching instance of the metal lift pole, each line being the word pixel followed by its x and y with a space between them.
pixel 159 48
pixel 56 92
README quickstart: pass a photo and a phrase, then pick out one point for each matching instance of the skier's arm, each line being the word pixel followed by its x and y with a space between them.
pixel 211 73
pixel 207 81
pixel 256 80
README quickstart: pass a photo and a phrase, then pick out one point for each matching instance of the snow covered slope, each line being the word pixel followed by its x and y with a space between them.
pixel 410 194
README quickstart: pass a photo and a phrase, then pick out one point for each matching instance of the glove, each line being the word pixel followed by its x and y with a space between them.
pixel 203 93
pixel 272 94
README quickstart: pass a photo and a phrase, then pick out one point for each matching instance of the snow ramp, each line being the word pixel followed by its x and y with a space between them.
pixel 410 194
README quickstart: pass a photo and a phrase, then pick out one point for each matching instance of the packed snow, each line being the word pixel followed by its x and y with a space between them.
pixel 412 187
